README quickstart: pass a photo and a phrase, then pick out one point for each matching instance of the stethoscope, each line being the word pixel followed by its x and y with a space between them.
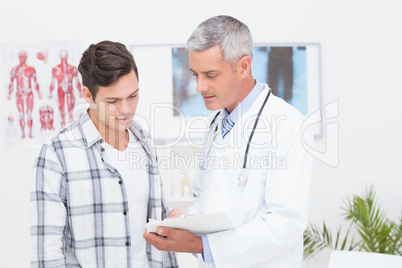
pixel 242 180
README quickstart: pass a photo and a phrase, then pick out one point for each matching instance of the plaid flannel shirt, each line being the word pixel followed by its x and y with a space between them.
pixel 79 211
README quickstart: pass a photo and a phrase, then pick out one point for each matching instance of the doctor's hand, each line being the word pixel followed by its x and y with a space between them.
pixel 168 239
pixel 175 213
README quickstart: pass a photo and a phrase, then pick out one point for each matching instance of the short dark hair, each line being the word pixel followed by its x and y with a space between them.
pixel 103 64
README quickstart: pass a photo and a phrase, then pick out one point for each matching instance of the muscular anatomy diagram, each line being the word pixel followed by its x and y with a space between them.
pixel 46 117
pixel 65 73
pixel 25 78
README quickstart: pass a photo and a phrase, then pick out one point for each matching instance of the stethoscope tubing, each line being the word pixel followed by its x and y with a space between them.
pixel 254 127
pixel 242 178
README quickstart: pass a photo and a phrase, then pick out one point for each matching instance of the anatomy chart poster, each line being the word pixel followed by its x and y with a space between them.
pixel 42 90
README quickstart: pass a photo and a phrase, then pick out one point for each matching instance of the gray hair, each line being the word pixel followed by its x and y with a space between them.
pixel 233 37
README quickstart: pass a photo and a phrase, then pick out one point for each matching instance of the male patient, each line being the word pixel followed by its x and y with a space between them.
pixel 90 202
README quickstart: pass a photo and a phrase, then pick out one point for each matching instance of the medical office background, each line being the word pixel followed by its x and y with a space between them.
pixel 360 70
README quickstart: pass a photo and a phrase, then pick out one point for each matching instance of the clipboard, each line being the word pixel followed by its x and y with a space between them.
pixel 198 224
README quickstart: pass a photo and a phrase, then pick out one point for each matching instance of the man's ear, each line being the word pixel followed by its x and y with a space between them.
pixel 244 66
pixel 87 95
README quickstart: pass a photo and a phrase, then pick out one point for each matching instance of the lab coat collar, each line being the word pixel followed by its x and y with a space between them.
pixel 245 123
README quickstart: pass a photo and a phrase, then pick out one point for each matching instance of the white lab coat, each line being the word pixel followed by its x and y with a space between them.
pixel 270 211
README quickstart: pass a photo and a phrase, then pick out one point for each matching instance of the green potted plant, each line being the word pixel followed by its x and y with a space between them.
pixel 376 233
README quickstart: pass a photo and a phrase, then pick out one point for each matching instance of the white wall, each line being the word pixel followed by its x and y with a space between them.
pixel 361 55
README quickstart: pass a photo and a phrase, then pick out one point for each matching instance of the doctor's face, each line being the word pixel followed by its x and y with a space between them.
pixel 218 83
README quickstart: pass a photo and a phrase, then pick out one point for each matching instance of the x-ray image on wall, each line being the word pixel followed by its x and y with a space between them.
pixel 283 68
pixel 185 97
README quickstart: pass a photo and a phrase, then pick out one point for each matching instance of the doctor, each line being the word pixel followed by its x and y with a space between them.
pixel 255 169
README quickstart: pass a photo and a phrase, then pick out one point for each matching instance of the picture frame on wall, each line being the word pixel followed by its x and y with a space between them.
pixel 291 70
pixel 43 90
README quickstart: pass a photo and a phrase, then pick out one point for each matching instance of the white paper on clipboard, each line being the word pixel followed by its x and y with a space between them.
pixel 200 224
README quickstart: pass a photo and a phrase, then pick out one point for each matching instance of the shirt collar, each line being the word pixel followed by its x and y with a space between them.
pixel 89 131
pixel 91 134
pixel 245 104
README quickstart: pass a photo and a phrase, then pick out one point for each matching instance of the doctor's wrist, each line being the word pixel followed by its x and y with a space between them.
pixel 197 245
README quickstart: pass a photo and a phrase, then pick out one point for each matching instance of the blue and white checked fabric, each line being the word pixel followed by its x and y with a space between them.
pixel 79 205
pixel 227 125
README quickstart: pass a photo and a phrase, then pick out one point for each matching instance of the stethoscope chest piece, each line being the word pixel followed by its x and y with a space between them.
pixel 242 180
